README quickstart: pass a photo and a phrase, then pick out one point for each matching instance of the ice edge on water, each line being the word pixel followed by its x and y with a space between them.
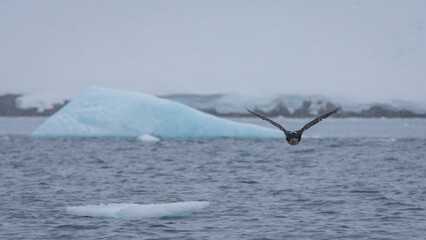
pixel 132 211
pixel 148 138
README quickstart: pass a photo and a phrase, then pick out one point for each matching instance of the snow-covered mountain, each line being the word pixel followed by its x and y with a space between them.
pixel 233 105
pixel 28 105
pixel 295 106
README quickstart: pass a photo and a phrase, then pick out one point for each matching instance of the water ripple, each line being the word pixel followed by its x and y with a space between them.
pixel 322 189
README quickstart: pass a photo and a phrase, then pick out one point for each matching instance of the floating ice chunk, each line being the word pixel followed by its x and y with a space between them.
pixel 100 112
pixel 148 138
pixel 133 211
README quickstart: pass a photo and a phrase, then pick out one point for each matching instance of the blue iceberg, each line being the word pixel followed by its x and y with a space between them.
pixel 100 112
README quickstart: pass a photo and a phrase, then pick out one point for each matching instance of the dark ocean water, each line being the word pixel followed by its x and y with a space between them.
pixel 324 188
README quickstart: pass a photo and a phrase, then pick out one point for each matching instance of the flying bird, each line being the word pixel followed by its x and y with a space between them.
pixel 293 138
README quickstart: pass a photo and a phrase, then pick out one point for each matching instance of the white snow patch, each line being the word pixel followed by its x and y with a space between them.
pixel 42 100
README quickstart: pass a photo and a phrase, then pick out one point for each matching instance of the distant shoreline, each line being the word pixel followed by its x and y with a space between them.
pixel 8 108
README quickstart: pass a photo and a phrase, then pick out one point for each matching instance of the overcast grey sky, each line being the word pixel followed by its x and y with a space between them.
pixel 367 50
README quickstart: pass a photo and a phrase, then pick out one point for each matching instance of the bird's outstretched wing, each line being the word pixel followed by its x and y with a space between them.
pixel 318 119
pixel 270 121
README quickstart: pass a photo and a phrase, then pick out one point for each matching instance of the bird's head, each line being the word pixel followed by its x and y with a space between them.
pixel 293 138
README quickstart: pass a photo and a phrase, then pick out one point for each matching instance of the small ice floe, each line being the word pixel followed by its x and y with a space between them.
pixel 132 211
pixel 148 138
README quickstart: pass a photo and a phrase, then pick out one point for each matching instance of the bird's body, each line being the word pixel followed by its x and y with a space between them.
pixel 293 138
